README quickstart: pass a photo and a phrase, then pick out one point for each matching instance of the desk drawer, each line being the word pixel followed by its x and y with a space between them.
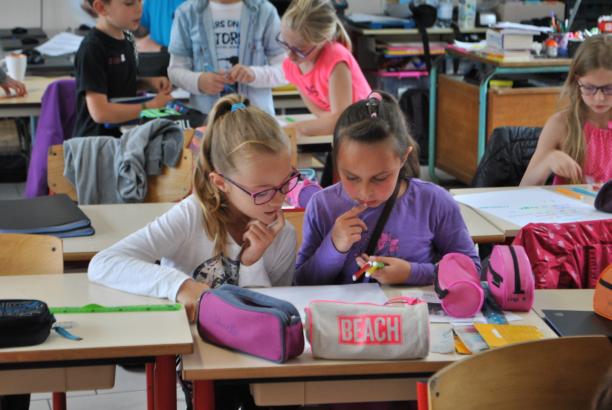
pixel 57 379
pixel 334 391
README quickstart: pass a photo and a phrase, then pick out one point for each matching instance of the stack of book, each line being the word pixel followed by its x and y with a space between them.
pixel 55 215
pixel 398 49
pixel 509 44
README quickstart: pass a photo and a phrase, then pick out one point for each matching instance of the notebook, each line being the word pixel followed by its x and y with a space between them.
pixel 43 215
pixel 577 323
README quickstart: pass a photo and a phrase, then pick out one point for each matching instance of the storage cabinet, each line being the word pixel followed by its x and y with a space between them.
pixel 457 109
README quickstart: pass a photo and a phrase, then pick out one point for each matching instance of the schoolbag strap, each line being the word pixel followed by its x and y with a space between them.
pixel 382 220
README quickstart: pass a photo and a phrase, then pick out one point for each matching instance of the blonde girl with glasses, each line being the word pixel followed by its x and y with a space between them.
pixel 576 142
pixel 230 230
pixel 320 63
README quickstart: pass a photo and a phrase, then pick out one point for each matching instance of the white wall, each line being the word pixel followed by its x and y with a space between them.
pixel 57 15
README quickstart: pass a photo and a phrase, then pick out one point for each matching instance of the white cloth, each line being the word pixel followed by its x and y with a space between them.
pixel 178 240
pixel 226 28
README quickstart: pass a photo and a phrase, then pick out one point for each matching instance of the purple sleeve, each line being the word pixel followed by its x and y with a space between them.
pixel 318 261
pixel 450 235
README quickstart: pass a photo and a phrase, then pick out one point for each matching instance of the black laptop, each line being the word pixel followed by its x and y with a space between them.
pixel 577 323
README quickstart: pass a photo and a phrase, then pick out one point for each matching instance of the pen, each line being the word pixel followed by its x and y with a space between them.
pixel 569 193
pixel 583 191
pixel 368 269
pixel 289 119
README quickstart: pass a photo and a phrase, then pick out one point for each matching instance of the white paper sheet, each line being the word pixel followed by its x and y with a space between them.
pixel 62 43
pixel 300 296
pixel 532 205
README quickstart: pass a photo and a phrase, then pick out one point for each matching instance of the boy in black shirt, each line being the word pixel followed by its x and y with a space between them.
pixel 106 68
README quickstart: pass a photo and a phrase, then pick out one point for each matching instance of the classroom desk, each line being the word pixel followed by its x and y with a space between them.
pixel 108 338
pixel 310 139
pixel 479 228
pixel 284 99
pixel 28 105
pixel 112 222
pixel 508 229
pixel 306 380
pixel 560 299
pixel 463 105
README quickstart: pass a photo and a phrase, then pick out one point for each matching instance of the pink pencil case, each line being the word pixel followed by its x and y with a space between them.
pixel 250 322
pixel 399 329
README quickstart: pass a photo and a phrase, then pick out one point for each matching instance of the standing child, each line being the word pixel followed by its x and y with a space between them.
pixel 231 230
pixel 223 46
pixel 320 63
pixel 106 68
pixel 576 143
pixel 377 163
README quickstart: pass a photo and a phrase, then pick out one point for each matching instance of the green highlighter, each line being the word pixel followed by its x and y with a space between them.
pixel 95 308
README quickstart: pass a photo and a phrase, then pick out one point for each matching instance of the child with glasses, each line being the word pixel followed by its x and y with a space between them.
pixel 218 47
pixel 377 161
pixel 320 63
pixel 576 142
pixel 230 230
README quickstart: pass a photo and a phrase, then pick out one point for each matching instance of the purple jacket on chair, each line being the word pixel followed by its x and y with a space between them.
pixel 55 124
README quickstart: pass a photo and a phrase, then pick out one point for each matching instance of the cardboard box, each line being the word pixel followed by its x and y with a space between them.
pixel 518 11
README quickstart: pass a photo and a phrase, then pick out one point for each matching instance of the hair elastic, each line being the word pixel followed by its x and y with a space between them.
pixel 374 100
pixel 238 106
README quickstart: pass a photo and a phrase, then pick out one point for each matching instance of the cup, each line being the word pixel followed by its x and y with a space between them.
pixel 16 65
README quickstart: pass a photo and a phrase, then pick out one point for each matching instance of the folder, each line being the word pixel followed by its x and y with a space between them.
pixel 54 215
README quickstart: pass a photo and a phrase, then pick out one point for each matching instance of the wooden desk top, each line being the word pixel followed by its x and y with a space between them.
pixel 307 140
pixel 112 223
pixel 480 229
pixel 559 299
pixel 105 335
pixel 507 228
pixel 209 362
pixel 36 87
pixel 534 62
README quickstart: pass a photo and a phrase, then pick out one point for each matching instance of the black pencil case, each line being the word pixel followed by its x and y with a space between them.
pixel 24 322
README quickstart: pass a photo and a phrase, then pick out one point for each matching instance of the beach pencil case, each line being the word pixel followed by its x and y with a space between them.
pixel 250 322
pixel 399 329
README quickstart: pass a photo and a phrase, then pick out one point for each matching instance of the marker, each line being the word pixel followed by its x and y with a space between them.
pixel 357 275
pixel 583 191
pixel 290 119
pixel 375 266
pixel 569 193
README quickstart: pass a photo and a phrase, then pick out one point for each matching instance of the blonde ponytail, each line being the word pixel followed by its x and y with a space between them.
pixel 316 22
pixel 230 138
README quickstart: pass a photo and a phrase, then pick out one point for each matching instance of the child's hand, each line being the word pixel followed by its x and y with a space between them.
pixel 348 228
pixel 211 83
pixel 11 84
pixel 241 74
pixel 188 295
pixel 160 100
pixel 564 166
pixel 396 270
pixel 161 84
pixel 258 237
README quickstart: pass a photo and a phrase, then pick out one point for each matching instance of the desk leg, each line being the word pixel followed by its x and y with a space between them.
pixel 433 94
pixel 203 395
pixel 59 401
pixel 482 113
pixel 150 372
pixel 165 383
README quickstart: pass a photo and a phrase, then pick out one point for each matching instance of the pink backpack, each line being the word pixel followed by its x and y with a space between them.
pixel 457 284
pixel 510 277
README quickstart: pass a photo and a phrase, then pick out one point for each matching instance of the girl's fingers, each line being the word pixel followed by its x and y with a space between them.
pixel 279 223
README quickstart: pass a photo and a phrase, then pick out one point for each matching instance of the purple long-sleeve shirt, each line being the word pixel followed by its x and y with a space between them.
pixel 425 220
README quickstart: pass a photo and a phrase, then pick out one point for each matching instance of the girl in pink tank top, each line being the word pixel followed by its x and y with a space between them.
pixel 320 63
pixel 576 143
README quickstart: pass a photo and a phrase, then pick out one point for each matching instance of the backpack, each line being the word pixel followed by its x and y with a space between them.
pixel 510 278
pixel 602 299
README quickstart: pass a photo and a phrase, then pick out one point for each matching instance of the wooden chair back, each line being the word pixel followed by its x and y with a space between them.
pixel 297 220
pixel 172 185
pixel 30 254
pixel 291 133
pixel 558 374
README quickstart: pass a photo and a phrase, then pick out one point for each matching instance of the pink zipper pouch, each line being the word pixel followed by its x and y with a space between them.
pixel 250 322
pixel 399 329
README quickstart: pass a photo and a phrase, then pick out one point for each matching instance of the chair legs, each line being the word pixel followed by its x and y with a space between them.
pixel 59 401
